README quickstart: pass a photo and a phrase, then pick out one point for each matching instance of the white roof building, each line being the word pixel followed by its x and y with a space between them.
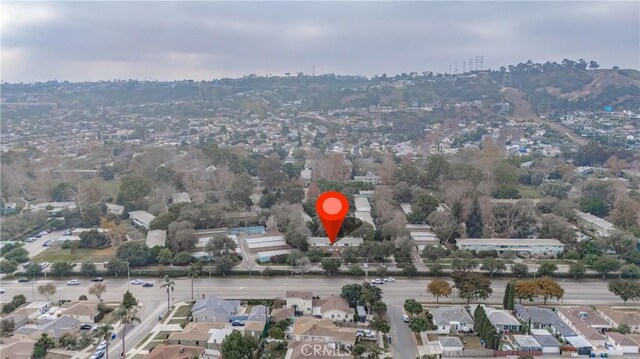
pixel 500 245
pixel 142 218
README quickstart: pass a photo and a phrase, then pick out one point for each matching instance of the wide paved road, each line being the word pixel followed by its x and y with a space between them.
pixel 583 292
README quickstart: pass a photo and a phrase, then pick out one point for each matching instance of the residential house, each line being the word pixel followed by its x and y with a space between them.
pixel 587 323
pixel 214 309
pixel 142 218
pixel 156 237
pixel 321 330
pixel 324 243
pixel 33 310
pixel 16 348
pixel 83 311
pixel 333 307
pixel 194 334
pixel 582 345
pixel 164 351
pixel 595 223
pixel 624 343
pixel 502 320
pixel 526 343
pixel 180 197
pixel 368 178
pixel 217 335
pixel 451 346
pixel 279 314
pixel 617 318
pixel 300 301
pixel 452 320
pixel 114 209
pixel 547 341
pixel 537 318
pixel 54 328
pixel 532 246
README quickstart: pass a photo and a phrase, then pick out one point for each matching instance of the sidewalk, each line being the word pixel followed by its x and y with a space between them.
pixel 139 348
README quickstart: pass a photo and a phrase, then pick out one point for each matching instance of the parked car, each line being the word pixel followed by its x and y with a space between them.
pixel 97 279
pixel 66 232
pixel 377 281
pixel 44 265
pixel 405 318
pixel 23 280
pixel 147 284
pixel 26 265
pixel 43 233
pixel 73 282
pixel 62 301
pixel 389 279
pixel 1 290
pixel 366 265
pixel 101 346
pixel 137 281
pixel 85 327
pixel 237 323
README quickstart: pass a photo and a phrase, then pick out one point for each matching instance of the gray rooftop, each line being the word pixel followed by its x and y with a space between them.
pixel 543 316
pixel 219 308
pixel 446 315
pixel 450 342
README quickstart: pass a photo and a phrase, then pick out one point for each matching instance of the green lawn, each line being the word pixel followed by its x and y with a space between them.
pixel 529 192
pixel 56 254
pixel 110 188
pixel 183 311
pixel 175 321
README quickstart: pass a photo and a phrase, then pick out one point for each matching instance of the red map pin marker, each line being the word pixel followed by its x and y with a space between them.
pixel 332 207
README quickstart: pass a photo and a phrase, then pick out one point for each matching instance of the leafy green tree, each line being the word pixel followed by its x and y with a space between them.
pixel 224 264
pixel 9 266
pixel 472 285
pixel 7 327
pixel 379 324
pixel 237 346
pixel 423 205
pixel 136 253
pixel 133 187
pixel 63 192
pixel 625 289
pixel 41 347
pixel 162 221
pixel 356 270
pixel 182 258
pixel 181 236
pixel 93 239
pixel 409 269
pixel 19 255
pixel 18 300
pixel 577 270
pixel 493 265
pixel 164 256
pixel 411 306
pixel 34 270
pixel 434 253
pixel 331 266
pixel 61 269
pixel 436 269
pixel 546 269
pixel 418 324
pixel 605 265
pixel 128 300
pixel 117 266
pixel 169 285
pixel 463 261
pixel 352 294
pixel 371 294
pixel 88 269
pixel 220 244
pixel 594 206
pixel 474 221
pixel 630 271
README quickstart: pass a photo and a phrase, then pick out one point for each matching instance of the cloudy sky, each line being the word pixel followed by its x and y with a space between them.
pixel 203 40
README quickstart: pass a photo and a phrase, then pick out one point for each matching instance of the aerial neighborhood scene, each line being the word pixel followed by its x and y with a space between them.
pixel 278 180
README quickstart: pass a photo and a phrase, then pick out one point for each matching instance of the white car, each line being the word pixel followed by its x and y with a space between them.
pixel 389 279
pixel 405 318
pixel 377 281
pixel 366 265
pixel 44 265
pixel 1 290
pixel 137 281
pixel 73 282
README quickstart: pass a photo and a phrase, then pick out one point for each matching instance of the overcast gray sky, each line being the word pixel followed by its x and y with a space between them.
pixel 203 40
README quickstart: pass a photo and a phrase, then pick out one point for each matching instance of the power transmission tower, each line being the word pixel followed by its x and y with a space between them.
pixel 479 62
